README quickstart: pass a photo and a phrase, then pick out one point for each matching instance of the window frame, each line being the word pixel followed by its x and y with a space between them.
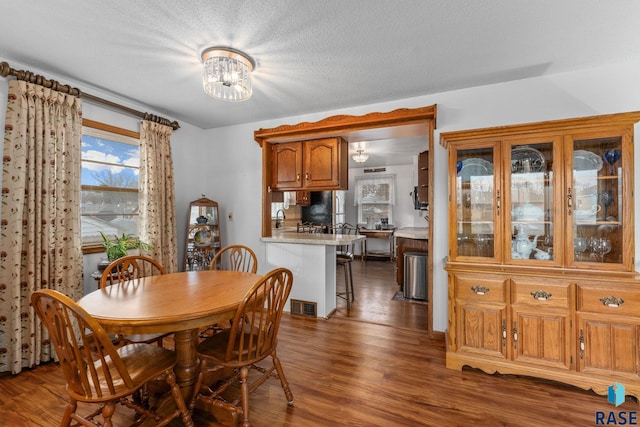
pixel 121 135
pixel 361 203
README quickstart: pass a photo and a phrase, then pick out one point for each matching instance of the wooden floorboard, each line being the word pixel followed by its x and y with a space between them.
pixel 353 370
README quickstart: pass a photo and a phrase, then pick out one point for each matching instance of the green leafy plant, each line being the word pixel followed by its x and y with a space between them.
pixel 120 246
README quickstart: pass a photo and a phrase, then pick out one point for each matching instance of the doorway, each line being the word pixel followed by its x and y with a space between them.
pixel 397 124
pixel 377 299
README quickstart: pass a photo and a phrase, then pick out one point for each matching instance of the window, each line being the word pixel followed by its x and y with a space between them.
pixel 375 198
pixel 110 166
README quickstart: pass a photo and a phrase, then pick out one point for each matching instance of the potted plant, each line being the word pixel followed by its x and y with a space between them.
pixel 120 246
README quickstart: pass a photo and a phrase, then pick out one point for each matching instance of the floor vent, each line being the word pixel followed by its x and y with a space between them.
pixel 304 308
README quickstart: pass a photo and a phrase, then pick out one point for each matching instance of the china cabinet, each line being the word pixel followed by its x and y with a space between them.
pixel 203 234
pixel 318 164
pixel 541 251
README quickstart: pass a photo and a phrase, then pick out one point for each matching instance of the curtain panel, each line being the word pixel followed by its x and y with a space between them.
pixel 40 247
pixel 157 225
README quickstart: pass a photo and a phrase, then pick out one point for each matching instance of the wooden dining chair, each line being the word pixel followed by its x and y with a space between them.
pixel 96 371
pixel 128 269
pixel 235 258
pixel 252 337
pixel 344 259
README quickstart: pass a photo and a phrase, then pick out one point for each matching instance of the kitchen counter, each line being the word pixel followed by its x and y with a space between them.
pixel 413 233
pixel 312 238
pixel 312 259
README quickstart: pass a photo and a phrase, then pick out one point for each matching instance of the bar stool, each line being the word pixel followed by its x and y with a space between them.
pixel 344 258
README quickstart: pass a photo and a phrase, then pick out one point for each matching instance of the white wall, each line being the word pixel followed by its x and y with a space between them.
pixel 603 90
pixel 225 163
pixel 404 214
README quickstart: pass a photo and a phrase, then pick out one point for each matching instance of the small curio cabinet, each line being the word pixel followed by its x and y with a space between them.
pixel 203 234
pixel 541 251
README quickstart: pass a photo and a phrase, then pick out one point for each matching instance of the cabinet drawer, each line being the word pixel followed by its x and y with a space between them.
pixel 556 295
pixel 478 288
pixel 609 299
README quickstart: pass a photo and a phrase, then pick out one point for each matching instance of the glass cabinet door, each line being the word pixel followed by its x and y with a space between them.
pixel 476 202
pixel 530 199
pixel 596 203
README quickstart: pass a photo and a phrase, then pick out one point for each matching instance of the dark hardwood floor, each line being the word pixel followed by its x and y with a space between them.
pixel 357 371
pixel 374 283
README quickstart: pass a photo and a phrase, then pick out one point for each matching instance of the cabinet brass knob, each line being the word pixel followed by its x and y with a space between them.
pixel 479 290
pixel 612 301
pixel 541 295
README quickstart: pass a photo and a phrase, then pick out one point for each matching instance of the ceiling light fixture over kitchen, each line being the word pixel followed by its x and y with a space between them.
pixel 227 73
pixel 360 157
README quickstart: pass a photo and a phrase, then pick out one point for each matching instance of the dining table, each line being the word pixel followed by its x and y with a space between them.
pixel 181 303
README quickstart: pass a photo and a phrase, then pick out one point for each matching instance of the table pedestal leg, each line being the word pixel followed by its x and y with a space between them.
pixel 187 359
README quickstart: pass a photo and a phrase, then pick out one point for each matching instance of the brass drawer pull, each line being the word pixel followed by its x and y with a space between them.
pixel 541 295
pixel 612 301
pixel 480 290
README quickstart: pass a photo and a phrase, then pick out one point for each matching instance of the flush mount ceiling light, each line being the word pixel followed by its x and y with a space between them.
pixel 227 73
pixel 360 157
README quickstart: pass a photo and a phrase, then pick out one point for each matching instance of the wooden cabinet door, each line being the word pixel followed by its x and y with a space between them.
pixel 480 315
pixel 423 177
pixel 540 325
pixel 303 198
pixel 608 346
pixel 287 165
pixel 482 329
pixel 608 328
pixel 323 163
pixel 541 337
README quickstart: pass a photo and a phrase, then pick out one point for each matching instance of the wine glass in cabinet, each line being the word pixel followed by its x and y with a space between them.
pixel 599 209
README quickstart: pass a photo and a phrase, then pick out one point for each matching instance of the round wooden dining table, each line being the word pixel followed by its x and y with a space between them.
pixel 177 302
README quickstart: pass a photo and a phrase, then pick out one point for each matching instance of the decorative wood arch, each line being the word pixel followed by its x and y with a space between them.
pixel 403 122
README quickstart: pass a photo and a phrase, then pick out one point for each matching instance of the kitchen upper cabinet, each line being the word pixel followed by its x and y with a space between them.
pixel 423 177
pixel 287 166
pixel 319 164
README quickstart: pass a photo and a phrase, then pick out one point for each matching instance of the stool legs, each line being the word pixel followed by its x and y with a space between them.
pixel 349 294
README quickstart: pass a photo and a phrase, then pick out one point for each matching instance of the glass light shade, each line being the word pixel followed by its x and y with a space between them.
pixel 226 74
pixel 360 157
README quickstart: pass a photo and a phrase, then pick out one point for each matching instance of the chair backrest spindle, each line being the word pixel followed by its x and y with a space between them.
pixel 254 329
pixel 235 258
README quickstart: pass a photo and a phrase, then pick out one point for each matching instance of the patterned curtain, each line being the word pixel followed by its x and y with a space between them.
pixel 40 245
pixel 157 225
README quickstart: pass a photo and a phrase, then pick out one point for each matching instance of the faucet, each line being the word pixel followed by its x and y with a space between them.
pixel 278 222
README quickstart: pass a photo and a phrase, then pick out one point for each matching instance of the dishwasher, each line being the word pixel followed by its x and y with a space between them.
pixel 415 275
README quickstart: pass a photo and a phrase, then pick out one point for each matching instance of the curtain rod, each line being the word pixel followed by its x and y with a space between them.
pixel 28 76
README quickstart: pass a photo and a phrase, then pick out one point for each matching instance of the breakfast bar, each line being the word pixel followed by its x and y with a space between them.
pixel 312 259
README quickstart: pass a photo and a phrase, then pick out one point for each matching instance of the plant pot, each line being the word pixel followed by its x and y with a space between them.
pixel 104 262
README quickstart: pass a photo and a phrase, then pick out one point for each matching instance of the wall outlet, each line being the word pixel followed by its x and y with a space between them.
pixel 230 216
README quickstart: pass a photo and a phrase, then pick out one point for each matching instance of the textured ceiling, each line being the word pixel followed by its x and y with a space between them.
pixel 311 55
